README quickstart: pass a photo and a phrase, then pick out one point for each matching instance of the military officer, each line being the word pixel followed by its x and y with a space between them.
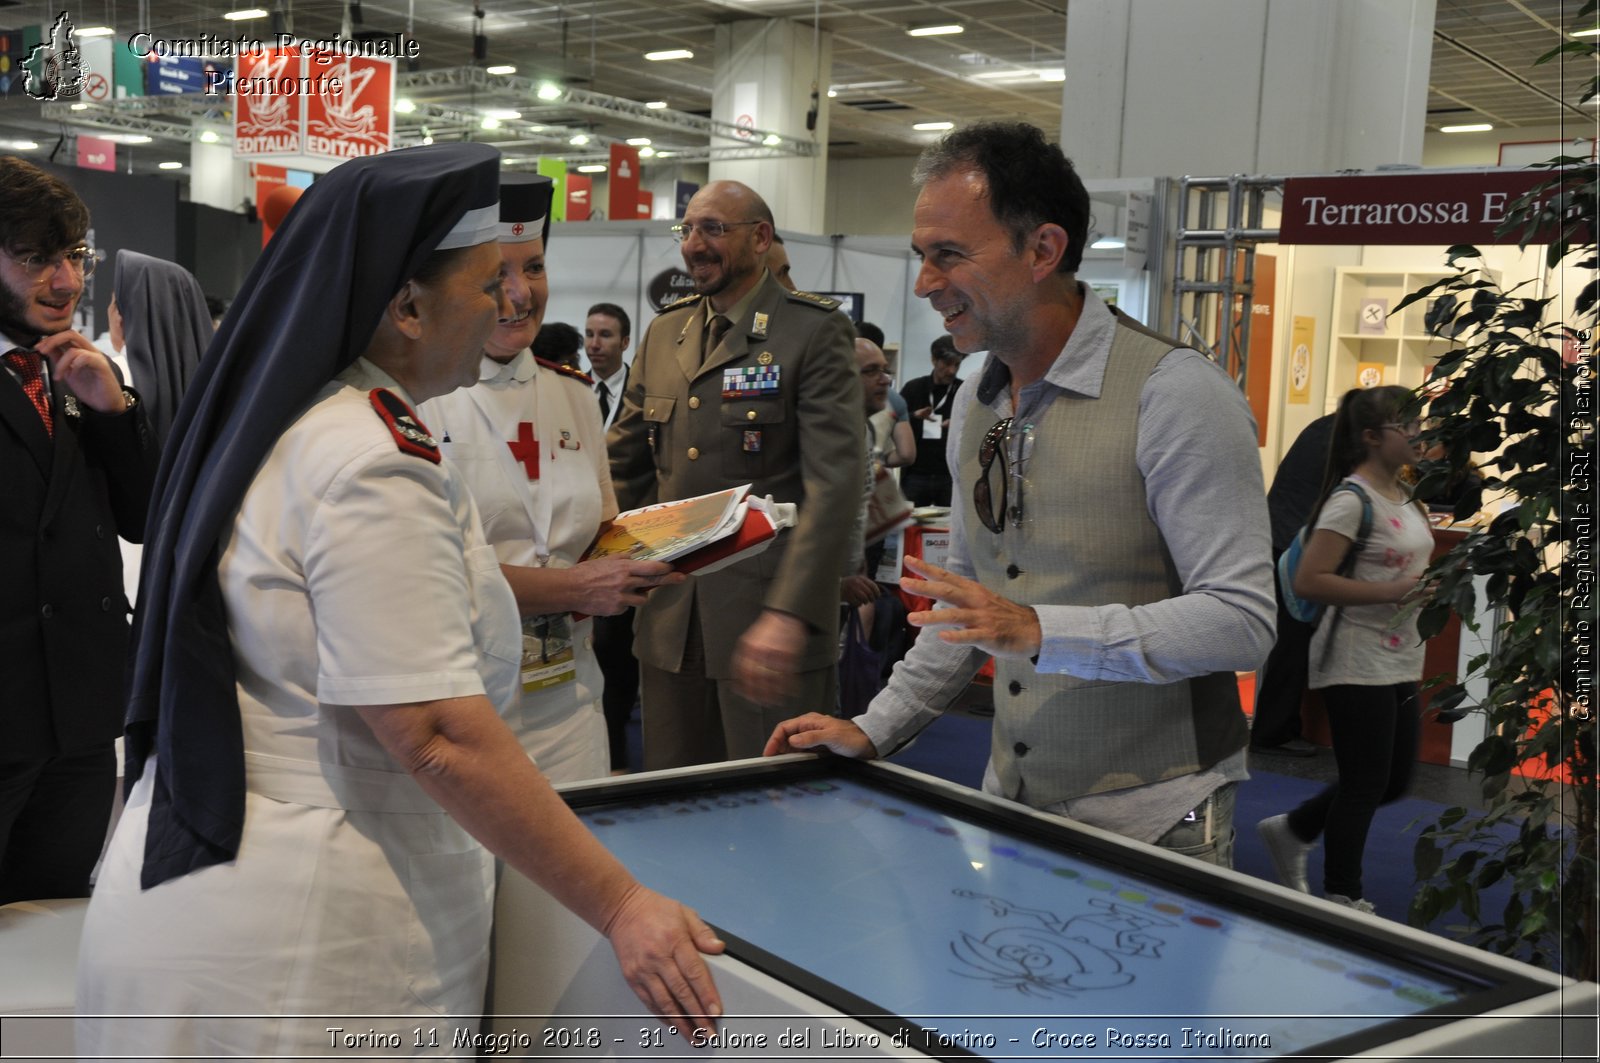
pixel 743 382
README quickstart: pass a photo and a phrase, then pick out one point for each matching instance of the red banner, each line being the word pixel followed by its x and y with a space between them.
pixel 647 205
pixel 622 203
pixel 1420 208
pixel 312 109
pixel 357 118
pixel 580 194
pixel 97 153
pixel 267 123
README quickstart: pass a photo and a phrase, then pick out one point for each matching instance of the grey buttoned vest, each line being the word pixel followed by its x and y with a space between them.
pixel 1087 539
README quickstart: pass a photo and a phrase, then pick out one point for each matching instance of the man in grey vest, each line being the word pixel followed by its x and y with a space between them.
pixel 1109 544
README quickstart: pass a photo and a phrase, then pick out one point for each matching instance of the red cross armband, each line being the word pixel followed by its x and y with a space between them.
pixel 410 434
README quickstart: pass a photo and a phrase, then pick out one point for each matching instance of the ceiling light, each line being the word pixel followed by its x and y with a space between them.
pixel 933 127
pixel 549 90
pixel 1109 243
pixel 579 140
pixel 1471 127
pixel 833 94
pixel 500 70
pixel 669 53
pixel 935 31
pixel 657 105
pixel 209 136
pixel 638 142
pixel 996 75
pixel 1053 74
pixel 595 167
pixel 427 140
pixel 129 138
pixel 772 140
pixel 647 152
pixel 249 12
pixel 663 154
pixel 502 114
pixel 489 122
pixel 171 165
pixel 96 31
pixel 1579 33
pixel 80 107
pixel 23 145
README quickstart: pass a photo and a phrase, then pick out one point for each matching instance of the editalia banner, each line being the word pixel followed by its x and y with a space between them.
pixel 312 110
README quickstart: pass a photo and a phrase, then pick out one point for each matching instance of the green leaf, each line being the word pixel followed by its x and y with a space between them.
pixel 1426 857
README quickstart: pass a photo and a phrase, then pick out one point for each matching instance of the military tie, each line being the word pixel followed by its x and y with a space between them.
pixel 719 328
pixel 25 363
pixel 605 402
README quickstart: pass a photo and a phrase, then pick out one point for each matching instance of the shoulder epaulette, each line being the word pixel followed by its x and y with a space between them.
pixel 813 299
pixel 688 300
pixel 410 434
pixel 566 370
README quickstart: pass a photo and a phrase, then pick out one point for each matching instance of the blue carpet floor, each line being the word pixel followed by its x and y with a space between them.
pixel 956 748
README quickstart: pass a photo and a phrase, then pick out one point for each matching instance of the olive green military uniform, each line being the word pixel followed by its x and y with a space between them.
pixel 777 404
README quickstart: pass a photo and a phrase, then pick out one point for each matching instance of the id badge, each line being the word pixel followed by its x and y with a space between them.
pixel 933 428
pixel 547 657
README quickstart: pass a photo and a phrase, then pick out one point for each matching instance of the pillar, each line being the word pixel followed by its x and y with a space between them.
pixel 764 76
pixel 1172 87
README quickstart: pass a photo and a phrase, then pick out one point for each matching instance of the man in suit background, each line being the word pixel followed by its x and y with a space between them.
pixel 607 331
pixel 744 382
pixel 77 460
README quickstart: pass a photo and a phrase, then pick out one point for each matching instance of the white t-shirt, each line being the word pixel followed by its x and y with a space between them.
pixel 1373 645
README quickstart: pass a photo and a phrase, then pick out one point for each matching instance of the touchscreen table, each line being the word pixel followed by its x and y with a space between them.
pixel 998 943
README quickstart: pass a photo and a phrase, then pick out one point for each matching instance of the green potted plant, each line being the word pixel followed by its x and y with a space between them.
pixel 1520 388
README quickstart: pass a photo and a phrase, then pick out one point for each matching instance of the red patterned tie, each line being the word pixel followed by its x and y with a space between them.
pixel 25 364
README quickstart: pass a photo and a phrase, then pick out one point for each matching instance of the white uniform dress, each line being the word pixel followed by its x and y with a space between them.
pixel 355 574
pixel 529 443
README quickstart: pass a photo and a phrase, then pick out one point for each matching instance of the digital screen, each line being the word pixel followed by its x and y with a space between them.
pixel 1000 943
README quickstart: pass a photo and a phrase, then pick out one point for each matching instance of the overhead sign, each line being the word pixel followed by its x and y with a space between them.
pixel 312 109
pixel 622 189
pixel 1419 208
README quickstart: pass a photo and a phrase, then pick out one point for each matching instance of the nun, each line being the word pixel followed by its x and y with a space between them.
pixel 159 328
pixel 318 771
pixel 528 440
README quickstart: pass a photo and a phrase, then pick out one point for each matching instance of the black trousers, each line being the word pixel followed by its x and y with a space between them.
pixel 53 817
pixel 613 647
pixel 1375 734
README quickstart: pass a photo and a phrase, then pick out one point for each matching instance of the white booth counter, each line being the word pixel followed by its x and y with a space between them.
pixel 874 912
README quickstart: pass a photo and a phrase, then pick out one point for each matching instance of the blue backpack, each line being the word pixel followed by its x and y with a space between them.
pixel 1309 612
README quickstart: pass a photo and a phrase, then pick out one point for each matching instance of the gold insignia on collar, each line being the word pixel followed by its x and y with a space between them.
pixel 759 328
pixel 765 357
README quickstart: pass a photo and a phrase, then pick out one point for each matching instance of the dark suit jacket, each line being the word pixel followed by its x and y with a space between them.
pixel 63 613
pixel 679 436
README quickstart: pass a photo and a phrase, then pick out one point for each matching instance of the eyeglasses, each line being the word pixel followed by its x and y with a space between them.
pixel 710 230
pixel 1410 431
pixel 875 371
pixel 36 266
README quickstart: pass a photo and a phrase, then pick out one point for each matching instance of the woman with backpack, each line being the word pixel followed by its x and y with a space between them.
pixel 1369 544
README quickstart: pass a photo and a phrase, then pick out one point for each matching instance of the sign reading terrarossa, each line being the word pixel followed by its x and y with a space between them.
pixel 1420 208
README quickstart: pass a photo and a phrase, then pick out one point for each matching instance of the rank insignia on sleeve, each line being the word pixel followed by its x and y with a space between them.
pixel 410 435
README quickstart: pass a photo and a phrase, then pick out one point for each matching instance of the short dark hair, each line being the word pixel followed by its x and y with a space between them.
pixel 1030 182
pixel 558 341
pixel 943 349
pixel 38 210
pixel 613 310
pixel 868 331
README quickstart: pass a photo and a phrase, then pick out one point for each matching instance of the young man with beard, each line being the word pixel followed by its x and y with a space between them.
pixel 744 382
pixel 77 460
